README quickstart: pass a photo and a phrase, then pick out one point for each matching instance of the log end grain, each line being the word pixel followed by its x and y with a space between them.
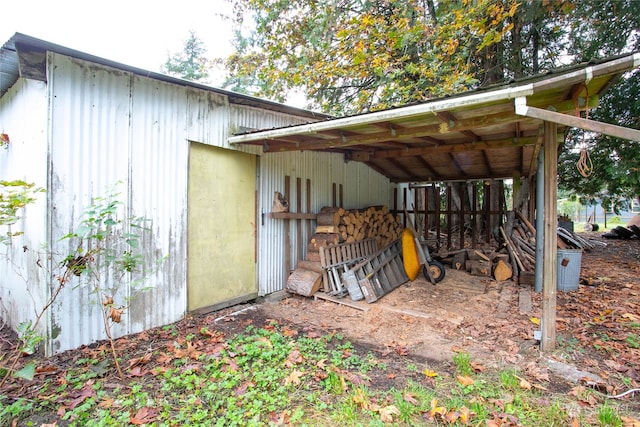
pixel 304 282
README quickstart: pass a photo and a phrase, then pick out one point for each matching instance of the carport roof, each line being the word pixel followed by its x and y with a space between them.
pixel 490 133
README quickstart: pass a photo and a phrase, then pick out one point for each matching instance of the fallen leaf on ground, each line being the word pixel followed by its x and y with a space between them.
pixel 429 373
pixel 293 378
pixel 387 413
pixel 465 380
pixel 145 415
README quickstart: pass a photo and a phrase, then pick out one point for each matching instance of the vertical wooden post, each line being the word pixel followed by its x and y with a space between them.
pixel 341 199
pixel 308 207
pixel 404 206
pixel 474 216
pixel 549 283
pixel 298 221
pixel 517 189
pixel 287 231
pixel 461 194
pixel 436 195
pixel 486 196
pixel 449 217
pixel 334 196
pixel 395 200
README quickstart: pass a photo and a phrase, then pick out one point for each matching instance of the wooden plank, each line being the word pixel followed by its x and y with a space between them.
pixel 461 194
pixel 578 122
pixel 341 301
pixel 308 206
pixel 287 232
pixel 549 282
pixel 292 215
pixel 298 220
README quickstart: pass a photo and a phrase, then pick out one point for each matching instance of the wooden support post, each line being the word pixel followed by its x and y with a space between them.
pixel 549 283
pixel 298 221
pixel 404 206
pixel 461 187
pixel 474 217
pixel 308 207
pixel 334 196
pixel 436 195
pixel 487 213
pixel 449 217
pixel 287 230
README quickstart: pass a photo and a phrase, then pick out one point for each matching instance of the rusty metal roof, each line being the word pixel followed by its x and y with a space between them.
pixel 473 135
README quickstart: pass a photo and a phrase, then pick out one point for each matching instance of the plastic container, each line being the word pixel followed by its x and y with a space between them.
pixel 569 264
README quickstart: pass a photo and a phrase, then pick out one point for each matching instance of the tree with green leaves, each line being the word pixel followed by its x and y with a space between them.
pixel 350 56
pixel 615 170
pixel 353 56
pixel 599 29
pixel 191 63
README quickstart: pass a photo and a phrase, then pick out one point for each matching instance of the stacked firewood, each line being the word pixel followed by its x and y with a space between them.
pixel 515 257
pixel 335 226
pixel 355 225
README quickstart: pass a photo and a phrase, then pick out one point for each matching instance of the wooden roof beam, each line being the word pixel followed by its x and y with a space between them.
pixel 457 164
pixel 564 119
pixel 451 120
pixel 410 175
pixel 425 164
pixel 346 141
pixel 444 148
pixel 487 162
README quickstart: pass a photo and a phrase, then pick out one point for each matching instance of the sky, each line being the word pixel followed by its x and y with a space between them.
pixel 139 33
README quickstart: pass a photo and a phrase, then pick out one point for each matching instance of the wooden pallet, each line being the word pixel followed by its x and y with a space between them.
pixel 337 259
pixel 377 275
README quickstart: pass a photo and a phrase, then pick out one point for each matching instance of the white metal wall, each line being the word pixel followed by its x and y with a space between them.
pixel 90 152
pixel 23 116
pixel 362 187
pixel 94 126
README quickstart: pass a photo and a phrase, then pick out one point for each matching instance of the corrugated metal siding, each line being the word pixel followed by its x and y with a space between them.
pixel 361 187
pixel 23 116
pixel 107 126
pixel 158 171
pixel 89 154
pixel 110 127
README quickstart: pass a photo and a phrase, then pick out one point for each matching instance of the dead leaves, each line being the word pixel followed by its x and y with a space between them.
pixel 465 380
pixel 293 378
pixel 460 416
pixel 145 415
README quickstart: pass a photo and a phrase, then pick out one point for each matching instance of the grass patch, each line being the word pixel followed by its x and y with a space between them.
pixel 274 375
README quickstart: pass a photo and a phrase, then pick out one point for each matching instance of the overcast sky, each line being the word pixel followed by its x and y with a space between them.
pixel 139 33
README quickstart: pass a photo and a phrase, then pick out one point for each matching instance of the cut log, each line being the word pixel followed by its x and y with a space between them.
pixel 280 203
pixel 331 229
pixel 502 271
pixel 304 282
pixel 310 265
pixel 459 260
pixel 325 239
pixel 313 256
pixel 480 268
pixel 328 218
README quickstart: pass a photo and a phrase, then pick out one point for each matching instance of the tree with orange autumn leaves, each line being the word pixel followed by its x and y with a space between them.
pixel 352 56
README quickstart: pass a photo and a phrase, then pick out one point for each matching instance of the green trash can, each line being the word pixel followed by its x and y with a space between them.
pixel 569 264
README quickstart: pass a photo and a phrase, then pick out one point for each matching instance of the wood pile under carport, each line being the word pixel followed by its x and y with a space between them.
pixel 515 257
pixel 338 226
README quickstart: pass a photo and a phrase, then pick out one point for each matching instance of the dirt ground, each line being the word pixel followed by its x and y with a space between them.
pixel 598 325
